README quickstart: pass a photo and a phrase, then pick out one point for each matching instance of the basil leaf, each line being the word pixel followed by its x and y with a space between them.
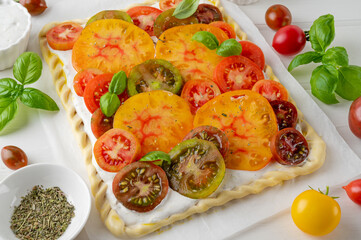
pixel 349 85
pixel 230 47
pixel 27 68
pixel 336 56
pixel 9 88
pixel 322 32
pixel 118 83
pixel 305 58
pixel 324 82
pixel 35 98
pixel 8 109
pixel 109 104
pixel 185 9
pixel 208 39
pixel 156 157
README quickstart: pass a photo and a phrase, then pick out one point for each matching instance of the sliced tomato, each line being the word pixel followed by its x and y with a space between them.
pixel 235 73
pixel 140 186
pixel 286 114
pixel 115 149
pixel 168 4
pixel 227 28
pixel 289 147
pixel 110 14
pixel 82 78
pixel 159 119
pixel 248 120
pixel 253 52
pixel 212 134
pixel 100 123
pixel 198 92
pixel 144 17
pixel 63 36
pixel 271 90
pixel 207 13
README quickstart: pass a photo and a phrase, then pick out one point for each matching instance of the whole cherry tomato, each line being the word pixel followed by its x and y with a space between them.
pixel 278 16
pixel 289 40
pixel 354 117
pixel 34 7
pixel 353 190
pixel 13 157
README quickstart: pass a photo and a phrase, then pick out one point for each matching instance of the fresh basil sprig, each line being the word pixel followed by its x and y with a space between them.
pixel 185 9
pixel 27 69
pixel 335 75
pixel 109 102
pixel 156 157
pixel 230 47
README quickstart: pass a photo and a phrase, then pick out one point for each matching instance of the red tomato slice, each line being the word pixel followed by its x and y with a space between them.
pixel 82 78
pixel 168 4
pixel 144 17
pixel 271 90
pixel 100 123
pixel 253 52
pixel 115 149
pixel 198 92
pixel 63 36
pixel 235 73
pixel 227 28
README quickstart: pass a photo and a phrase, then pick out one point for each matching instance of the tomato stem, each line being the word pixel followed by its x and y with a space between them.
pixel 307 33
pixel 327 191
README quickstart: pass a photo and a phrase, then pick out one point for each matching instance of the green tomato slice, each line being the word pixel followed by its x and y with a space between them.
pixel 197 168
pixel 154 74
pixel 110 14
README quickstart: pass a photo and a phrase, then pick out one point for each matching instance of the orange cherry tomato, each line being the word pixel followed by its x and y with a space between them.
pixel 271 90
pixel 82 78
pixel 227 28
pixel 115 149
pixel 159 119
pixel 248 120
pixel 253 52
pixel 144 17
pixel 63 36
pixel 168 4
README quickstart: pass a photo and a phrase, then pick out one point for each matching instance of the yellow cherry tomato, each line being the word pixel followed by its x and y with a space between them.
pixel 315 213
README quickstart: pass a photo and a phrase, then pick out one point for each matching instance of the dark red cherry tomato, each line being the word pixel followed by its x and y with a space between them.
pixel 289 147
pixel 353 190
pixel 289 40
pixel 34 7
pixel 278 16
pixel 100 123
pixel 13 157
pixel 354 117
pixel 286 114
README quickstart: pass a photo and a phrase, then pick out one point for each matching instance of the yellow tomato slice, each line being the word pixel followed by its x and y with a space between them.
pixel 249 123
pixel 193 59
pixel 159 119
pixel 111 45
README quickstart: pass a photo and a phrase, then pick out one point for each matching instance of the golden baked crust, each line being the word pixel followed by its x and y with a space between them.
pixel 108 215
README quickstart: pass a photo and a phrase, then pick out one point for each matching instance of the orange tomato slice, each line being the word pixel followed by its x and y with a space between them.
pixel 193 59
pixel 159 119
pixel 111 45
pixel 249 123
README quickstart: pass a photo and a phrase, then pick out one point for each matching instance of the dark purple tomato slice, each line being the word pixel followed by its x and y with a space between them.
pixel 100 123
pixel 207 13
pixel 286 114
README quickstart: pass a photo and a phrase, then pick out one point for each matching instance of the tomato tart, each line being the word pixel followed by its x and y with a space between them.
pixel 209 119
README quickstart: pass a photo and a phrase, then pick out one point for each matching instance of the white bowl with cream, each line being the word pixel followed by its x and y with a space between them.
pixel 14 31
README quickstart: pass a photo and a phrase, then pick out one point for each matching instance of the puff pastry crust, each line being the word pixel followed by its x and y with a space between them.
pixel 109 216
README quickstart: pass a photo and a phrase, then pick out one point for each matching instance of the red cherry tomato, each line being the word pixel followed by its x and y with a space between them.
pixel 13 157
pixel 100 123
pixel 168 4
pixel 289 147
pixel 353 190
pixel 236 72
pixel 82 78
pixel 289 40
pixel 227 28
pixel 198 92
pixel 271 90
pixel 115 149
pixel 253 52
pixel 63 36
pixel 34 7
pixel 286 114
pixel 354 117
pixel 278 16
pixel 144 17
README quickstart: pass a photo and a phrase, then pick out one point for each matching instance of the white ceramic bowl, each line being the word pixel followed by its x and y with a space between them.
pixel 15 26
pixel 19 183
